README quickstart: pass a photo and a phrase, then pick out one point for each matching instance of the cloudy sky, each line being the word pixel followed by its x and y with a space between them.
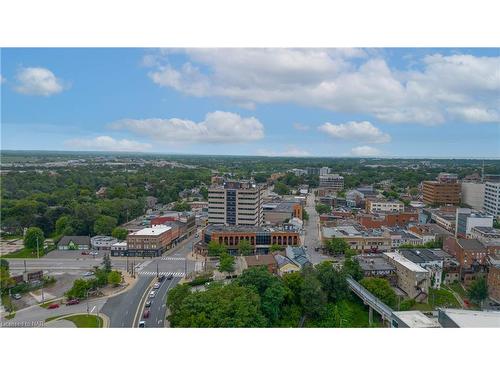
pixel 276 102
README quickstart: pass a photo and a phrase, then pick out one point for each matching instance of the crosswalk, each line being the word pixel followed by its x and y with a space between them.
pixel 173 259
pixel 153 273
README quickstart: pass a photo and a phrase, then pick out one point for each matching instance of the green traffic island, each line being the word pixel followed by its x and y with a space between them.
pixel 10 315
pixel 80 320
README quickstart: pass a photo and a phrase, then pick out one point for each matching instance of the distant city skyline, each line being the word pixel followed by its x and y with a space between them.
pixel 390 103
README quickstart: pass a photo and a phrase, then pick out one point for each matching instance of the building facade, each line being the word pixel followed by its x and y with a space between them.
pixel 379 205
pixel 236 203
pixel 492 198
pixel 334 182
pixel 436 192
pixel 150 242
pixel 411 278
pixel 467 219
pixel 473 194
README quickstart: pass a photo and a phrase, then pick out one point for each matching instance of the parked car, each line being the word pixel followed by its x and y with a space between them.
pixel 145 314
pixel 170 277
pixel 161 278
pixel 156 286
pixel 142 324
pixel 152 294
pixel 85 253
pixel 17 296
pixel 75 301
pixel 89 273
pixel 148 303
pixel 93 253
pixel 53 306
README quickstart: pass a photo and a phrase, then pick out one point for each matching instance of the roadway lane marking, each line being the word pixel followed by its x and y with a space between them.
pixel 173 258
pixel 153 273
pixel 93 308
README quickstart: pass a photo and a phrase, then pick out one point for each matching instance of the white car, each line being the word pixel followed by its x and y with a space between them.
pixel 94 253
pixel 156 286
pixel 89 273
pixel 152 294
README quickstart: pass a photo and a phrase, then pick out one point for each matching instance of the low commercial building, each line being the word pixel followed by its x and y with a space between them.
pixel 400 237
pixel 467 219
pixel 150 242
pixel 119 249
pixel 466 251
pixel 411 278
pixel 494 278
pixel 81 243
pixel 360 240
pixel 102 242
pixel 261 238
pixel 488 236
pixel 412 319
pixel 455 318
pixel 384 205
pixel 429 260
pixel 445 219
pixel 430 232
pixel 298 255
pixel 377 266
pixel 262 260
pixel 387 219
pixel 281 212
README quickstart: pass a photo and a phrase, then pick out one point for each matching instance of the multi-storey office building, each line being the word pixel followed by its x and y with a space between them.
pixel 383 205
pixel 492 198
pixel 411 278
pixel 236 203
pixel 332 181
pixel 436 192
pixel 473 194
pixel 467 219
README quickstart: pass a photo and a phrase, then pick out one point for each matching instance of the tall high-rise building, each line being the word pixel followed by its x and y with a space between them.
pixel 236 203
pixel 473 194
pixel 492 198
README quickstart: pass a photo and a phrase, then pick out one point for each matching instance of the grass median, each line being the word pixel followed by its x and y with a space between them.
pixel 86 321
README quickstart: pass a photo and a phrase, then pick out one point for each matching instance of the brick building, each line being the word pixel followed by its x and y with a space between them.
pixel 389 219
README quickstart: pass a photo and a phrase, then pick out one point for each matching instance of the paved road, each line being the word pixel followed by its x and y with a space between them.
pixel 65 264
pixel 312 237
pixel 158 309
pixel 122 308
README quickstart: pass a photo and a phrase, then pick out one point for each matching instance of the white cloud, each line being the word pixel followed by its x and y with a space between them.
pixel 217 127
pixel 290 150
pixel 349 81
pixel 106 143
pixel 301 127
pixel 475 114
pixel 366 151
pixel 2 79
pixel 357 131
pixel 38 81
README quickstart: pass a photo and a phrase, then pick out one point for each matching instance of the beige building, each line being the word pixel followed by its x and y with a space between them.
pixel 236 203
pixel 332 181
pixel 362 241
pixel 413 279
pixel 380 205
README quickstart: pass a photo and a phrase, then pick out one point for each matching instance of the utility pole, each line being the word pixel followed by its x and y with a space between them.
pixel 87 302
pixel 157 274
pixel 37 249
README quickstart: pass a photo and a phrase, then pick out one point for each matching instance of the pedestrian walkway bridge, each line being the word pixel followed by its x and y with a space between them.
pixel 370 300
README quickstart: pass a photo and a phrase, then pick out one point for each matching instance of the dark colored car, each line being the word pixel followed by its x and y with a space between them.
pixel 142 324
pixel 85 253
pixel 145 314
pixel 170 277
pixel 148 303
pixel 161 278
pixel 53 306
pixel 75 301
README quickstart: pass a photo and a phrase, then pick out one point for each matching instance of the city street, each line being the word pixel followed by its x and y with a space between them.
pixel 312 235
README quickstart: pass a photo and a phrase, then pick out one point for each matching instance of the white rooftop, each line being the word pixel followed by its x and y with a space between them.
pixel 474 319
pixel 121 244
pixel 154 231
pixel 406 262
pixel 416 319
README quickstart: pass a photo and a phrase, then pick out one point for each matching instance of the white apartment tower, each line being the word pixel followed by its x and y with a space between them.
pixel 492 198
pixel 236 203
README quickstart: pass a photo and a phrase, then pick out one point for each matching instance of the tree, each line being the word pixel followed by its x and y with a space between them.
pixel 245 248
pixel 119 233
pixel 114 278
pixel 34 237
pixel 333 282
pixel 104 225
pixel 79 289
pixel 275 248
pixel 305 215
pixel 258 278
pixel 63 226
pixel 281 189
pixel 204 192
pixel 272 301
pixel 226 262
pixel 181 206
pixel 294 282
pixel 381 289
pixel 478 290
pixel 214 248
pixel 323 209
pixel 6 281
pixel 353 269
pixel 176 296
pixel 106 263
pixel 337 246
pixel 312 297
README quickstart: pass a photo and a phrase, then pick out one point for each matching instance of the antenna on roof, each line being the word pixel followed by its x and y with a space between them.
pixel 482 172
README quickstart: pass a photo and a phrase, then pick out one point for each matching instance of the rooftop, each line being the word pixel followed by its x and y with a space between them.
pixel 416 319
pixel 80 240
pixel 420 255
pixel 487 230
pixel 374 263
pixel 470 245
pixel 244 229
pixel 260 260
pixel 405 262
pixel 155 231
pixel 473 319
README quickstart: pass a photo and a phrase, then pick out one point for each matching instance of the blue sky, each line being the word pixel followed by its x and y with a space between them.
pixel 336 102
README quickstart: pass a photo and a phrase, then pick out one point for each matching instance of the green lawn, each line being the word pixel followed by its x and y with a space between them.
pixel 438 298
pixel 10 316
pixel 86 321
pixel 28 253
pixel 457 287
